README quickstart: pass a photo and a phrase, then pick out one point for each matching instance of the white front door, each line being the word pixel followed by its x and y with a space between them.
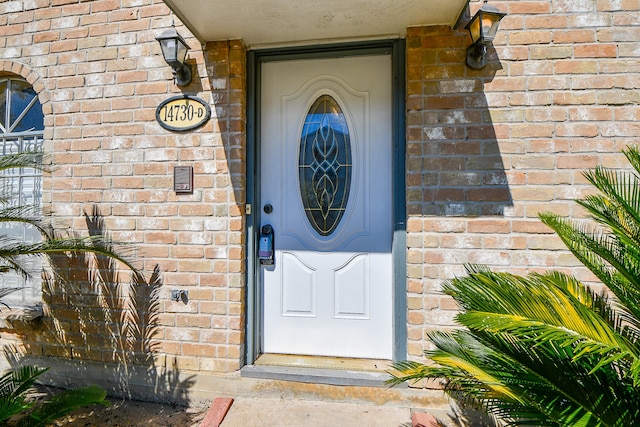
pixel 326 179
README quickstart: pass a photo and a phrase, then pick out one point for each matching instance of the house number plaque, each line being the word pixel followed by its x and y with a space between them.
pixel 182 113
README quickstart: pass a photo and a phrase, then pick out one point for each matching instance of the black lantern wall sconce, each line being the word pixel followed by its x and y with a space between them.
pixel 174 50
pixel 483 28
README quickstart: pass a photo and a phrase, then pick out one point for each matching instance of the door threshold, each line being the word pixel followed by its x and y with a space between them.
pixel 320 370
pixel 323 362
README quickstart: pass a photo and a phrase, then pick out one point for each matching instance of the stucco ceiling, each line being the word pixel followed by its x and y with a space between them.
pixel 268 22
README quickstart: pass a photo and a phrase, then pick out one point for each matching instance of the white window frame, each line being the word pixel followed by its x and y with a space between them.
pixel 25 185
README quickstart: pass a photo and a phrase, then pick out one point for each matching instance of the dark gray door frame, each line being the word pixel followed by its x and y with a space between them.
pixel 255 59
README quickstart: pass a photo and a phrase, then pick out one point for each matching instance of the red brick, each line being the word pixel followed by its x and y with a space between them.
pixel 123 15
pixel 551 52
pixel 599 50
pixel 529 37
pixel 444 102
pixel 578 129
pixel 102 30
pixel 74 33
pixel 546 21
pixel 531 131
pixel 217 412
pixel 529 7
pixel 104 5
pixel 577 161
pixel 46 36
pixel 154 10
pixel 574 36
pixel 575 67
pixel 489 226
pixel 137 25
pixel 76 9
pixel 574 98
pixel 12 30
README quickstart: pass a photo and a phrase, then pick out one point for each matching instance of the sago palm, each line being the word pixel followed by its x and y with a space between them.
pixel 545 349
pixel 18 408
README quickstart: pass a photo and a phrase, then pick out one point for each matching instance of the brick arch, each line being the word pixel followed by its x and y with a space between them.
pixel 8 67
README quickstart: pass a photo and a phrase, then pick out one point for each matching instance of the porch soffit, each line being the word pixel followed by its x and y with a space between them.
pixel 272 22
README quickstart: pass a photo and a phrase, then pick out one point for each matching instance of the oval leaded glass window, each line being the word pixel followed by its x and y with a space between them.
pixel 325 164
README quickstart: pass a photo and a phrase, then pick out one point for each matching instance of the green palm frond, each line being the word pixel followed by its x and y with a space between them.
pixel 63 403
pixel 29 215
pixel 501 385
pixel 556 300
pixel 614 218
pixel 601 395
pixel 598 250
pixel 464 361
pixel 600 303
pixel 12 257
pixel 531 352
pixel 542 372
pixel 13 253
pixel 632 153
pixel 541 309
pixel 13 388
pixel 27 159
pixel 538 333
pixel 601 254
pixel 619 192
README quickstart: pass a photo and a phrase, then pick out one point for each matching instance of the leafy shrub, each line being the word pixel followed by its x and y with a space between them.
pixel 20 408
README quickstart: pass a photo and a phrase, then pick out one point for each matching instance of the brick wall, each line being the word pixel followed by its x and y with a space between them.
pixel 490 149
pixel 100 75
pixel 486 151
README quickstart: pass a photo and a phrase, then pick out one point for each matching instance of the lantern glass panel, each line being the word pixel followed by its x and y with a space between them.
pixel 490 24
pixel 168 49
pixel 181 52
pixel 474 29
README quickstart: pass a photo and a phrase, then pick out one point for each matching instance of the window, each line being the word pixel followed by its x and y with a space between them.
pixel 325 165
pixel 21 129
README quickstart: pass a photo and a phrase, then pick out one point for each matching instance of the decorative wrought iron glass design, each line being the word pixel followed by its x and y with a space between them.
pixel 325 165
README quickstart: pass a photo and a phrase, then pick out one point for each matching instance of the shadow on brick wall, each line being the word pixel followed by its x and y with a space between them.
pixel 225 62
pixel 102 327
pixel 454 164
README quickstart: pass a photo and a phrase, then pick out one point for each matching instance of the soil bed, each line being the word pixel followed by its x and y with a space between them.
pixel 125 413
pixel 129 413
